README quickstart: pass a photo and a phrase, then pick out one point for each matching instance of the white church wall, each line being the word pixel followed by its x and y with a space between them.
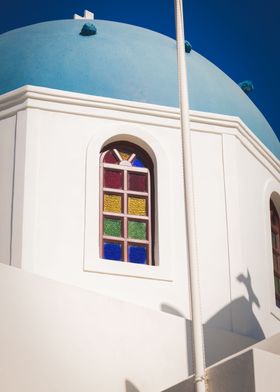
pixel 254 175
pixel 7 137
pixel 252 371
pixel 48 327
pixel 231 173
pixel 24 198
pixel 211 226
pixel 56 204
pixel 57 337
pixel 56 183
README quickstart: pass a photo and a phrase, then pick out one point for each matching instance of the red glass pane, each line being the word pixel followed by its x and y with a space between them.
pixel 137 182
pixel 113 179
pixel 110 157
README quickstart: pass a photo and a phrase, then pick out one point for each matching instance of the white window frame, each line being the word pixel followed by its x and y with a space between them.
pixel 272 187
pixel 163 270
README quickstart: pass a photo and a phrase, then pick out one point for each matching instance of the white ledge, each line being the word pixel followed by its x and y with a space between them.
pixel 145 113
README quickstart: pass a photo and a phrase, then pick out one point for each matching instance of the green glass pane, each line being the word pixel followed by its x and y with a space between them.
pixel 137 230
pixel 278 286
pixel 112 227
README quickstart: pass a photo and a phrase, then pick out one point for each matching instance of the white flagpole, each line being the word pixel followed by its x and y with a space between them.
pixel 198 343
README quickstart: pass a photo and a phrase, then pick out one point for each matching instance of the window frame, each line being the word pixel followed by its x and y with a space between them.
pixel 275 245
pixel 125 165
pixel 162 270
pixel 271 192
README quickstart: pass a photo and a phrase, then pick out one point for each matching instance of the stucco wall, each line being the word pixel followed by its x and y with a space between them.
pixel 57 235
pixel 56 185
pixel 252 272
pixel 56 337
pixel 233 183
pixel 7 135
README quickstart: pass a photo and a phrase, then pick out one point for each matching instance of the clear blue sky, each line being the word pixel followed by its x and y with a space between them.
pixel 241 37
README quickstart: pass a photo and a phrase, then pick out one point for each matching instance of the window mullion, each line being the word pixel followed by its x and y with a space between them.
pixel 275 230
pixel 125 216
pixel 136 190
pixel 101 208
pixel 150 221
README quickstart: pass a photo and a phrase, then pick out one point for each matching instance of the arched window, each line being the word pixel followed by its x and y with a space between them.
pixel 126 204
pixel 275 238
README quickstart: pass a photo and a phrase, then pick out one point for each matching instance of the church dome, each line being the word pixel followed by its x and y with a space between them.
pixel 121 61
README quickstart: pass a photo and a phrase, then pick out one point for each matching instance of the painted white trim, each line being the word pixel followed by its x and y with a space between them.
pixel 163 269
pixel 25 192
pixel 271 186
pixel 22 94
pixel 233 218
pixel 135 112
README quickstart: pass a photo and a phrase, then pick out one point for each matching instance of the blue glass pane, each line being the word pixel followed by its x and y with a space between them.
pixel 137 254
pixel 137 162
pixel 112 251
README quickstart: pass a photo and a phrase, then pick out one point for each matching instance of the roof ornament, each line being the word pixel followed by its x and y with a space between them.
pixel 188 47
pixel 247 86
pixel 88 29
pixel 87 15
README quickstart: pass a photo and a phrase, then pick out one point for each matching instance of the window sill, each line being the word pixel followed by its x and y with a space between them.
pixel 128 269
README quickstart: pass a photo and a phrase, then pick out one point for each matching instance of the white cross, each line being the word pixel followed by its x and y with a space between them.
pixel 87 15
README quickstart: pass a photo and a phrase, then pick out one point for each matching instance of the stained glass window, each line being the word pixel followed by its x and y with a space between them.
pixel 126 204
pixel 275 233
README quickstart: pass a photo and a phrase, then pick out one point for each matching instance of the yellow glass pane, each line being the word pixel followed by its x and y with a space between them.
pixel 112 203
pixel 124 155
pixel 137 206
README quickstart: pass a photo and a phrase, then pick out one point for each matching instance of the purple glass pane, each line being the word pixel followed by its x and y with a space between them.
pixel 137 182
pixel 113 179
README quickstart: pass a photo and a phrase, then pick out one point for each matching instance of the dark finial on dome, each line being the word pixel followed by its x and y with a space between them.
pixel 188 47
pixel 247 86
pixel 88 29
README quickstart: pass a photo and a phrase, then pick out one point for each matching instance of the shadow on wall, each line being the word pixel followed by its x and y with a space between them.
pixel 222 339
pixel 184 386
pixel 243 320
pixel 129 387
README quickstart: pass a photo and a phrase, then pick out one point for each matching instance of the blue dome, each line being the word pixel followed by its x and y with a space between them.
pixel 121 61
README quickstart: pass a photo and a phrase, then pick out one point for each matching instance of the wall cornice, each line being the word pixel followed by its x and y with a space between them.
pixel 32 97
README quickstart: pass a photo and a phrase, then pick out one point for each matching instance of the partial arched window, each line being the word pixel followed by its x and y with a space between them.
pixel 126 204
pixel 275 238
